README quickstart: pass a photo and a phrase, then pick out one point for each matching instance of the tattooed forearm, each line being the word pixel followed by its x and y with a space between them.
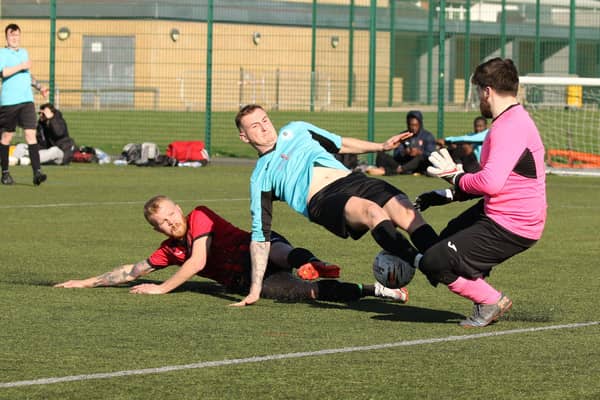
pixel 123 274
pixel 140 268
pixel 259 254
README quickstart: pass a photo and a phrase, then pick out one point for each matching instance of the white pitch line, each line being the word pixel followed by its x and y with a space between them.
pixel 109 203
pixel 236 361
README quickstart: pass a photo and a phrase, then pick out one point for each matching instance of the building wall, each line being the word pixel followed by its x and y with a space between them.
pixel 275 72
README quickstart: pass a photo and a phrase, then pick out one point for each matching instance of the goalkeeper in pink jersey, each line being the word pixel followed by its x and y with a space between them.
pixel 510 216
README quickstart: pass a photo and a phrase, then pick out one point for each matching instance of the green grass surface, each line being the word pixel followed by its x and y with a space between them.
pixel 88 219
pixel 111 130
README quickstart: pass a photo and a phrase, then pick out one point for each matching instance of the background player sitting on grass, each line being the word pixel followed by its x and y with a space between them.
pixel 52 134
pixel 466 149
pixel 205 244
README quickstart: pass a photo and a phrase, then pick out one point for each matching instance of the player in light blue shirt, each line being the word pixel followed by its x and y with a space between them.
pixel 287 170
pixel 297 166
pixel 466 149
pixel 16 103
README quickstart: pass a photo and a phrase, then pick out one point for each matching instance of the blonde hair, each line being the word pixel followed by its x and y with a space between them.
pixel 151 207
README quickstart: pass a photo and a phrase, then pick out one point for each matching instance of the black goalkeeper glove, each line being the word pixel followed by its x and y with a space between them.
pixel 434 198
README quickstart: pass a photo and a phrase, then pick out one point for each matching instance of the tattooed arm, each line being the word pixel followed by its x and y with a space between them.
pixel 259 256
pixel 190 268
pixel 123 274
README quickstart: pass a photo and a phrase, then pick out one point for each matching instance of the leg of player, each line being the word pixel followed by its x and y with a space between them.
pixel 382 222
pixel 34 156
pixel 439 264
pixel 468 251
pixel 309 266
pixel 404 215
pixel 285 286
pixel 489 304
pixel 360 213
pixel 449 262
pixel 4 147
pixel 52 155
pixel 334 290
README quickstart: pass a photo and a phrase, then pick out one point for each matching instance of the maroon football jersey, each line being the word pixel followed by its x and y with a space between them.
pixel 229 252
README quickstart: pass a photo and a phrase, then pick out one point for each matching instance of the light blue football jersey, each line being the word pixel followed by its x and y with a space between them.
pixel 16 89
pixel 285 172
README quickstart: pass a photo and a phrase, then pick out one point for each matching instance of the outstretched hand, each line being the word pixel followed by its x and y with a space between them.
pixel 146 288
pixel 395 140
pixel 433 198
pixel 74 283
pixel 248 300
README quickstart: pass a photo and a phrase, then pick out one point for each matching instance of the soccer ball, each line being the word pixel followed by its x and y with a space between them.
pixel 392 271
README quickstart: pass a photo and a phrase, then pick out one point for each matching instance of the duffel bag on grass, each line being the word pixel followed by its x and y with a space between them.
pixel 192 150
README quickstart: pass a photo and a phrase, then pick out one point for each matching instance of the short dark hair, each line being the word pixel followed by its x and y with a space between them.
pixel 11 27
pixel 480 118
pixel 245 110
pixel 48 105
pixel 499 74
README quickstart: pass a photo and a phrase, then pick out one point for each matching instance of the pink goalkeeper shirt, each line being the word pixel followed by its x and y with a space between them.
pixel 515 202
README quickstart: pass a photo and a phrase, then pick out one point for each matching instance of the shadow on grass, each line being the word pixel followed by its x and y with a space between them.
pixel 385 310
pixel 23 184
pixel 530 315
pixel 208 288
pixel 388 311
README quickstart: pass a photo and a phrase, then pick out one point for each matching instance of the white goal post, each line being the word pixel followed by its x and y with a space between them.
pixel 558 81
pixel 566 111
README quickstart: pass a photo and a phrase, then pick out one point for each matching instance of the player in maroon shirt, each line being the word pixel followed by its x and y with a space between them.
pixel 202 243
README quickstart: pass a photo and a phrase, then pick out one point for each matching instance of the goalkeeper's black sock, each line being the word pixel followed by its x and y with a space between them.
pixel 424 237
pixel 388 237
pixel 333 290
pixel 4 157
pixel 300 256
pixel 34 156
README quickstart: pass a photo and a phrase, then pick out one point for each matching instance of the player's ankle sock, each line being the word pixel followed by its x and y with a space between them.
pixel 387 236
pixel 332 290
pixel 367 290
pixel 34 156
pixel 4 157
pixel 476 290
pixel 424 237
pixel 300 256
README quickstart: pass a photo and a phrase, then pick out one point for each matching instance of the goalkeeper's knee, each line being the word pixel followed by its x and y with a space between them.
pixel 437 264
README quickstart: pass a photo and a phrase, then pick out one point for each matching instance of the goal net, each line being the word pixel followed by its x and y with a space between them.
pixel 567 113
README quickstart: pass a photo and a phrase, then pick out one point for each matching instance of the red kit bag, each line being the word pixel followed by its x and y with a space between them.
pixel 192 150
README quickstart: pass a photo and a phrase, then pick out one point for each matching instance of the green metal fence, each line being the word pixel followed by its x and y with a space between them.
pixel 148 70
